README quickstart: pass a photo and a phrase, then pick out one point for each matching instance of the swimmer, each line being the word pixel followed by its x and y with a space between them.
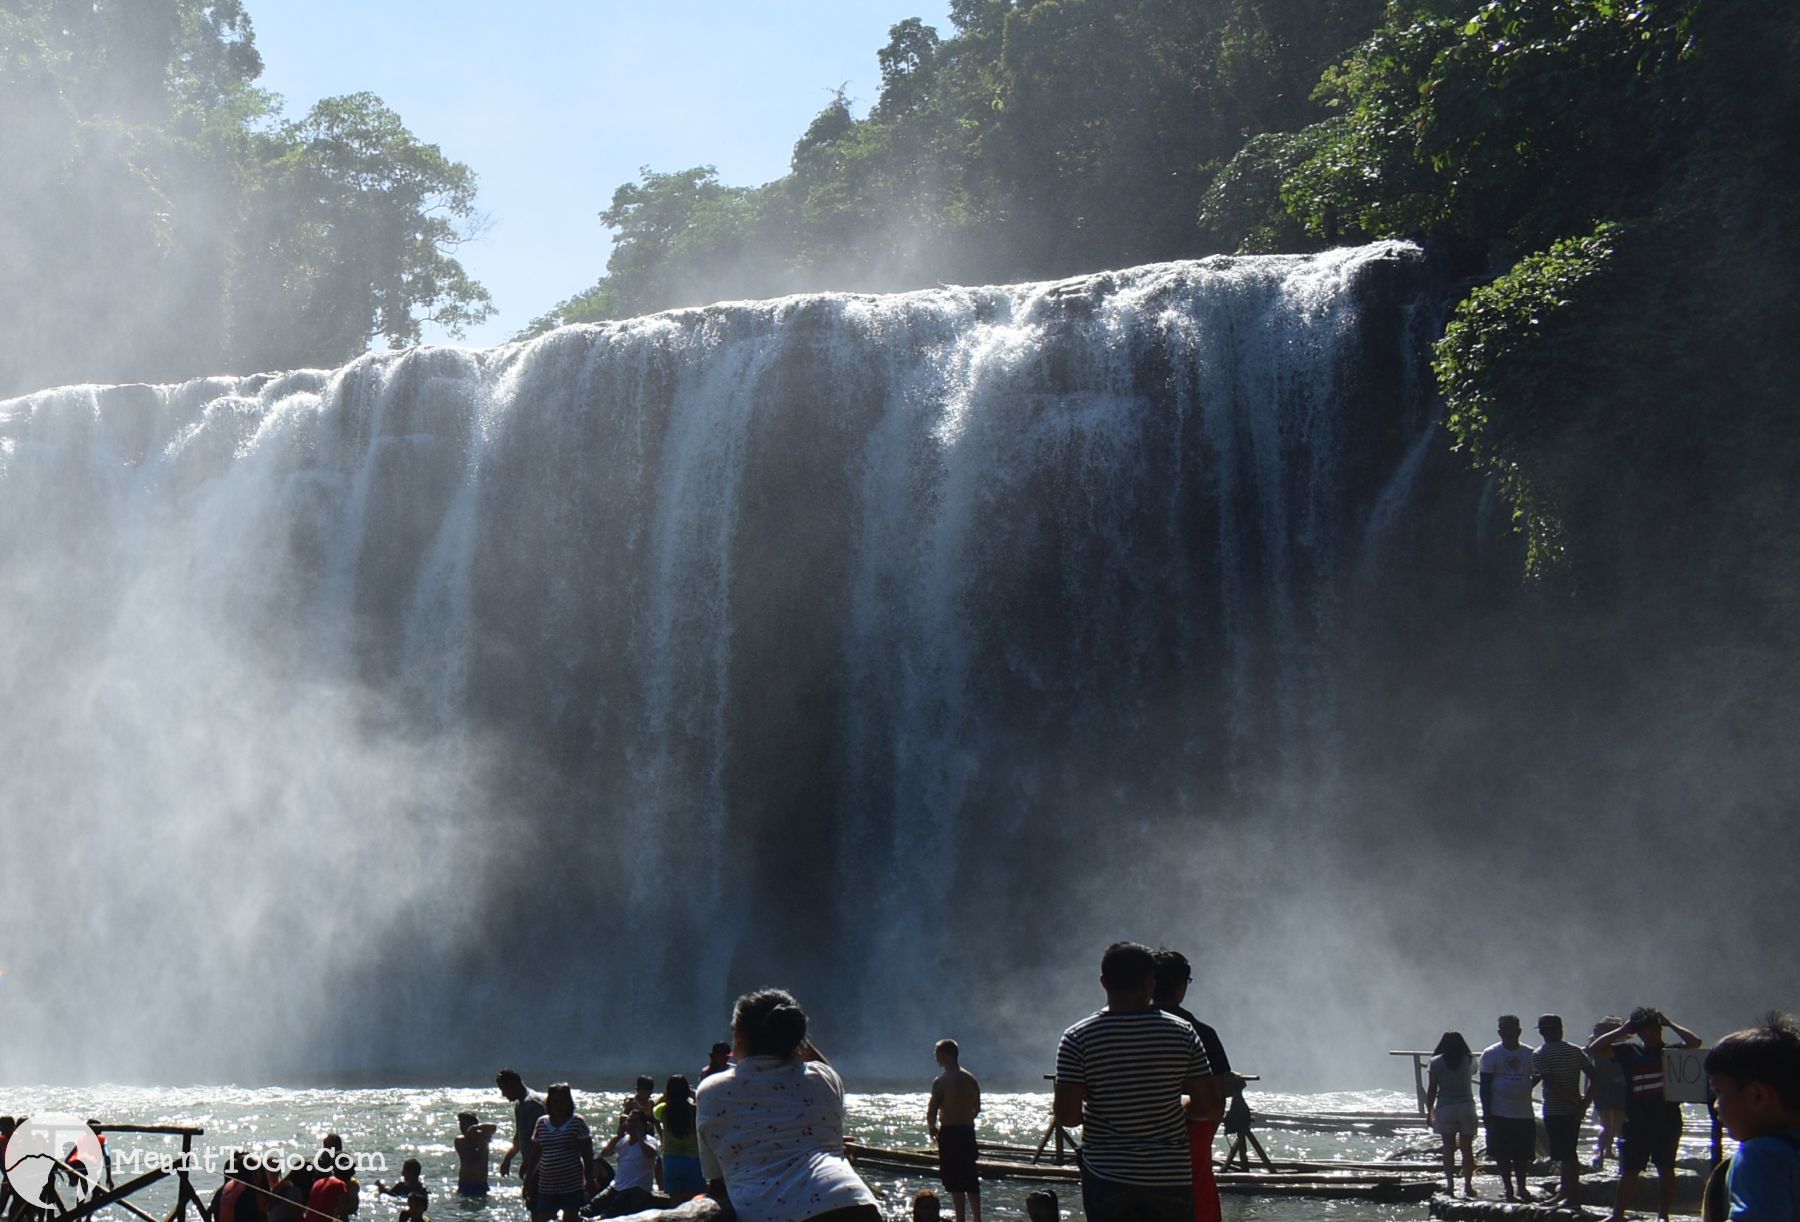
pixel 472 1155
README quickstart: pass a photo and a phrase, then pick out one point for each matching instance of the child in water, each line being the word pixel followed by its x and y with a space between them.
pixel 472 1155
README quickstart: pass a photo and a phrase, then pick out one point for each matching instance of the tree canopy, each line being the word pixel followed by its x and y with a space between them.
pixel 164 219
pixel 1037 138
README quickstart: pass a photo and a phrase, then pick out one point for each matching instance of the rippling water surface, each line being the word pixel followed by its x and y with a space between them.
pixel 388 1126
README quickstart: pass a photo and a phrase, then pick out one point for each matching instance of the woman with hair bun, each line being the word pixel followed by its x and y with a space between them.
pixel 772 1126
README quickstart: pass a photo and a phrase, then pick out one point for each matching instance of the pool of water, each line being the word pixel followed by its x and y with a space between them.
pixel 386 1126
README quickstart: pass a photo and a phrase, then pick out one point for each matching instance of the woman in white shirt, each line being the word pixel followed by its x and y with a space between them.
pixel 772 1126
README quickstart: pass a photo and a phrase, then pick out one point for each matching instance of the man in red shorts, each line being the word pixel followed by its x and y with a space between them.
pixel 1173 975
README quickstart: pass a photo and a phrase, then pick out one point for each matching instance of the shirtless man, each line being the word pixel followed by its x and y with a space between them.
pixel 955 1101
pixel 472 1145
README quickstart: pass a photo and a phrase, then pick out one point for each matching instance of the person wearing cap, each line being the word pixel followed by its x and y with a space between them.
pixel 1563 1067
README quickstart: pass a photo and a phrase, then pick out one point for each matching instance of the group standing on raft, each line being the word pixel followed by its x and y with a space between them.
pixel 1619 1073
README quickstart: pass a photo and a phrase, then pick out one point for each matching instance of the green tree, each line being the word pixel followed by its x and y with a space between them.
pixel 350 226
pixel 159 212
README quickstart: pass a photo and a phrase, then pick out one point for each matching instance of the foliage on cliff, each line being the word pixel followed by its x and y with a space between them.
pixel 1625 173
pixel 163 219
pixel 1038 138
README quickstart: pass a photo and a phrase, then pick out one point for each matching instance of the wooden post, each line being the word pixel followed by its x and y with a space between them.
pixel 1419 1062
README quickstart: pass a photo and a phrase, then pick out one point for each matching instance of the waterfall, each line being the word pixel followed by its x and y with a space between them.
pixel 526 703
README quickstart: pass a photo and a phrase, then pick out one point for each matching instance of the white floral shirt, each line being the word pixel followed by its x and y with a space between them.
pixel 773 1129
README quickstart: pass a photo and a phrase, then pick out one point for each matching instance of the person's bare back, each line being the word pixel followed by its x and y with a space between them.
pixel 955 1102
pixel 957 1095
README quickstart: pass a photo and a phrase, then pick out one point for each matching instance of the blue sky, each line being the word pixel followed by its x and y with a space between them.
pixel 555 104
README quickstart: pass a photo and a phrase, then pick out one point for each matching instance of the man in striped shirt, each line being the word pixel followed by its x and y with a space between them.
pixel 1562 1067
pixel 1133 1076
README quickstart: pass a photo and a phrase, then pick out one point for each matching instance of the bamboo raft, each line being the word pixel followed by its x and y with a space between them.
pixel 1324 1181
pixel 1381 1123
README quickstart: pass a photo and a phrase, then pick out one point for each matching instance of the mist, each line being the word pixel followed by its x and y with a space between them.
pixel 458 708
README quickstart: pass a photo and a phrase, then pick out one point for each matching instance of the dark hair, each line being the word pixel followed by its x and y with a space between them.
pixel 1510 1020
pixel 1043 1204
pixel 507 1077
pixel 646 1082
pixel 557 1092
pixel 678 1106
pixel 411 1164
pixel 950 1046
pixel 1172 971
pixel 1127 965
pixel 771 1022
pixel 1768 1053
pixel 721 1048
pixel 1644 1015
pixel 467 1120
pixel 1453 1048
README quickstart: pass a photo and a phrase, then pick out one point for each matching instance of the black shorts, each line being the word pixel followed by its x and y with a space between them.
pixel 956 1158
pixel 1512 1139
pixel 1564 1133
pixel 1651 1135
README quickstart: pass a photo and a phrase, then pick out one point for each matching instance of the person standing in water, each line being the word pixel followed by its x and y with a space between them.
pixel 561 1158
pixel 528 1109
pixel 643 1101
pixel 950 1121
pixel 717 1061
pixel 472 1145
pixel 1652 1121
pixel 674 1113
pixel 408 1183
pixel 1450 1106
pixel 1506 1106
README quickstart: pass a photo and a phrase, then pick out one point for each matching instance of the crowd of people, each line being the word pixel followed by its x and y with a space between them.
pixel 763 1130
pixel 1619 1074
pixel 1144 1079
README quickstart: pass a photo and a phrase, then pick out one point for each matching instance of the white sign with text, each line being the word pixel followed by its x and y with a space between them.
pixel 1684 1075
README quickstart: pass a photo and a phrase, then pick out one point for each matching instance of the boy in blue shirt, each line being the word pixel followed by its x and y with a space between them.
pixel 1755 1073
